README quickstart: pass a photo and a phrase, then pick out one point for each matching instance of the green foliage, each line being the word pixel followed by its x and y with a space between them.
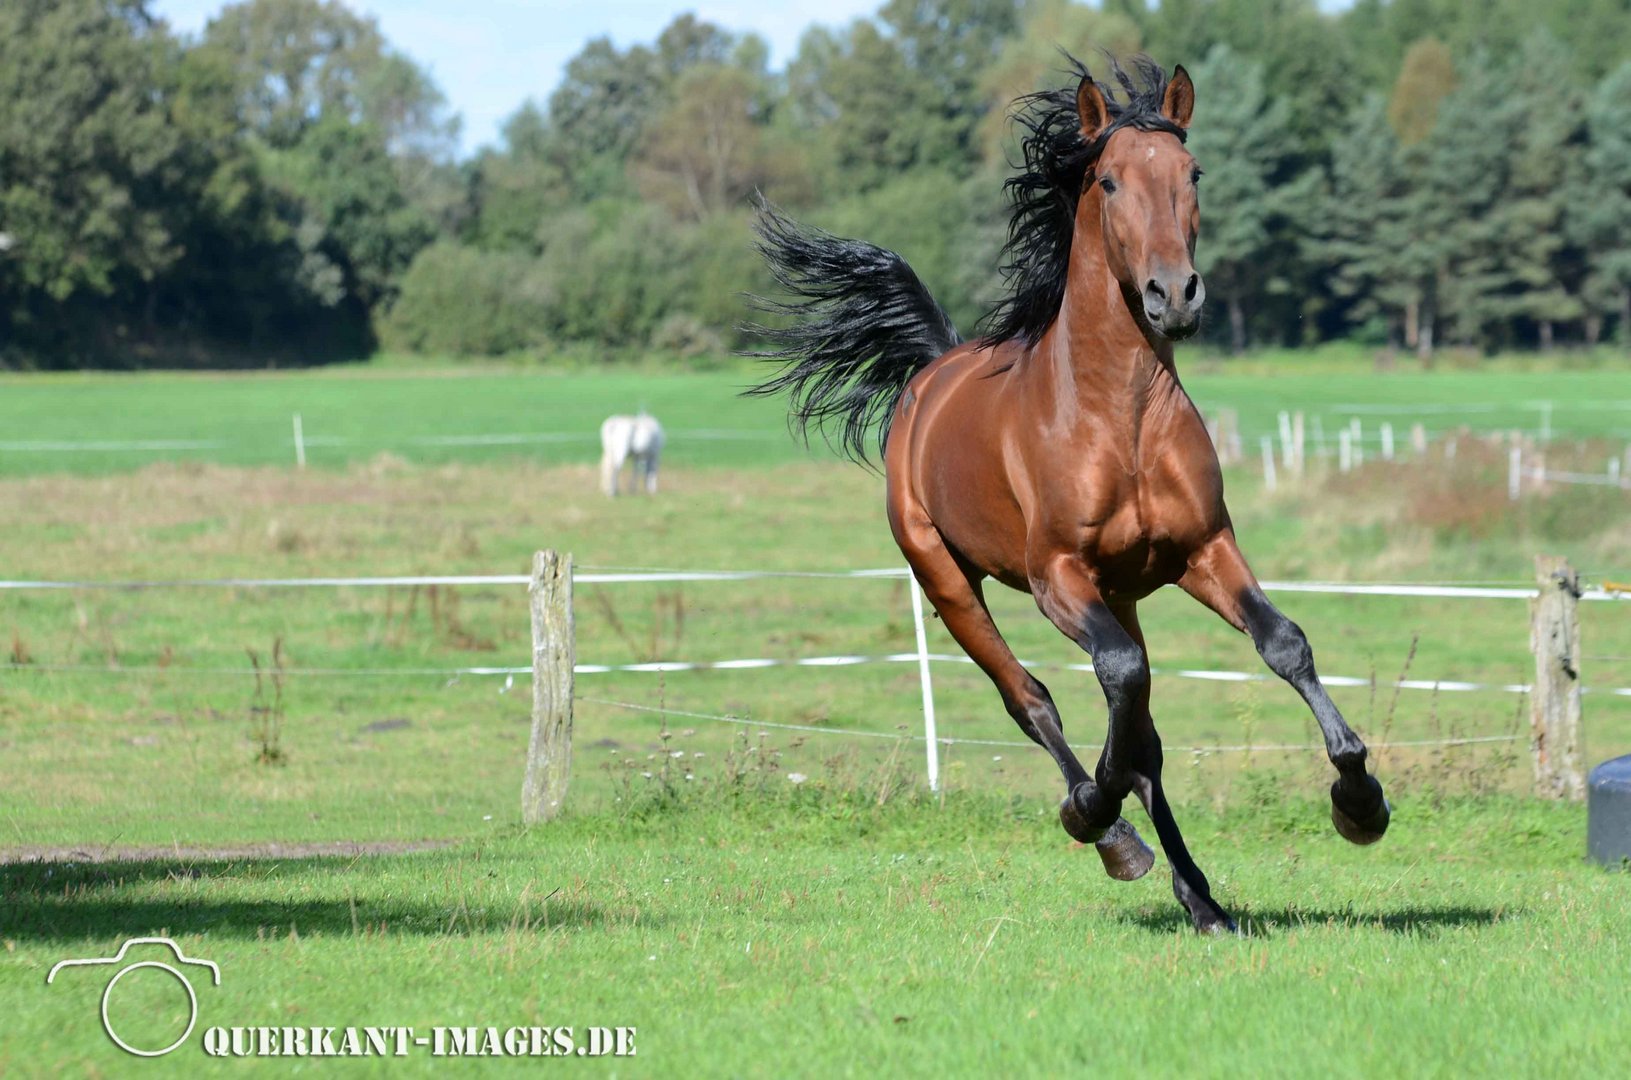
pixel 705 152
pixel 1600 212
pixel 858 102
pixel 1416 171
pixel 461 301
pixel 343 181
pixel 945 46
pixel 1241 138
pixel 93 175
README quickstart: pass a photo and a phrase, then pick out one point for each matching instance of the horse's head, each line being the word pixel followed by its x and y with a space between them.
pixel 1143 188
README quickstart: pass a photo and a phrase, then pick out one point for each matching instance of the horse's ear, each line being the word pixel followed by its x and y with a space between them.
pixel 1178 105
pixel 1091 107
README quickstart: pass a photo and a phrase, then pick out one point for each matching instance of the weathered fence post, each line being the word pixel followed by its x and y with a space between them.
pixel 554 652
pixel 1554 703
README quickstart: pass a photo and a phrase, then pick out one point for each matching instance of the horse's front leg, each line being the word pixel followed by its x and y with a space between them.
pixel 1131 758
pixel 960 601
pixel 1219 578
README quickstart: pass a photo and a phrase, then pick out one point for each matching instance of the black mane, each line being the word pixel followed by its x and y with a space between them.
pixel 1057 162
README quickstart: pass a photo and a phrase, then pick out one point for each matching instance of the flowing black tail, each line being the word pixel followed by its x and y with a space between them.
pixel 862 325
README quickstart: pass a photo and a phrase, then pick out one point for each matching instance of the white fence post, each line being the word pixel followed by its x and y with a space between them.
pixel 1514 473
pixel 930 738
pixel 1345 450
pixel 1268 462
pixel 299 443
pixel 1297 443
pixel 1357 431
pixel 1387 442
pixel 1286 454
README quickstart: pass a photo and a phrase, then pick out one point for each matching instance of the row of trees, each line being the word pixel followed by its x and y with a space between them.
pixel 257 193
pixel 1414 171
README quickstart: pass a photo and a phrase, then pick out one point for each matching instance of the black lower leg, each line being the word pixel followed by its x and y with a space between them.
pixel 1358 808
pixel 1189 885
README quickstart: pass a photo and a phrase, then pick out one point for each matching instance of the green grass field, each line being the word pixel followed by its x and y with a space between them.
pixel 353 414
pixel 818 934
pixel 810 915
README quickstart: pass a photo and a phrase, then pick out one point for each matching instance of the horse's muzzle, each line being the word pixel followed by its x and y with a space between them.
pixel 1172 304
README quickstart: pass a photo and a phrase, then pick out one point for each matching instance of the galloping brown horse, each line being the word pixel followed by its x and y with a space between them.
pixel 1059 453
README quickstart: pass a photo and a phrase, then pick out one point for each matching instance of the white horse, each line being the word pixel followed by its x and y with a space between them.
pixel 625 438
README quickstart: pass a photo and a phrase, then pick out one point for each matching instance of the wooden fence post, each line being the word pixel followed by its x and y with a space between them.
pixel 1554 703
pixel 554 652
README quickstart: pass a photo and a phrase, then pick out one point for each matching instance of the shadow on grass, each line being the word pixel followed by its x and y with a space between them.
pixel 1268 922
pixel 270 897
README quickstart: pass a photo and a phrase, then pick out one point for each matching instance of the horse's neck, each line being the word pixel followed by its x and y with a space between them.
pixel 1100 357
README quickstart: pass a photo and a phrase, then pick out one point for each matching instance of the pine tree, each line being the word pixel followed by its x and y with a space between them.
pixel 1240 139
pixel 1600 218
pixel 1367 233
pixel 1543 151
pixel 1465 171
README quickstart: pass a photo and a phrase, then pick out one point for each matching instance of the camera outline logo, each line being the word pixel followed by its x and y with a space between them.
pixel 118 958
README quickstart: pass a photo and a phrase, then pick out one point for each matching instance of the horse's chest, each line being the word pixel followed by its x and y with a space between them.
pixel 1145 532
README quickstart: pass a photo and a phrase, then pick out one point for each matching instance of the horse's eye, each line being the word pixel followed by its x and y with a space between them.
pixel 1108 185
pixel 1195 176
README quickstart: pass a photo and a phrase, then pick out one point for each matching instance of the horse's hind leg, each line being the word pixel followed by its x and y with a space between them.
pixel 1189 885
pixel 1219 578
pixel 956 594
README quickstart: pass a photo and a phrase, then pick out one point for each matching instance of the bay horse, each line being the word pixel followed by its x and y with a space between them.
pixel 1058 452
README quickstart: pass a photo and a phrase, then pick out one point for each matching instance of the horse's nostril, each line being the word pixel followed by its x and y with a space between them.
pixel 1191 287
pixel 1154 290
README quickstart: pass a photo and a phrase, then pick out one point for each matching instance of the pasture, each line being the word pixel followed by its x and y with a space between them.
pixel 847 911
pixel 87 423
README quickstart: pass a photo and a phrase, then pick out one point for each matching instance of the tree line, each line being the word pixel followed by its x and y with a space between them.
pixel 284 187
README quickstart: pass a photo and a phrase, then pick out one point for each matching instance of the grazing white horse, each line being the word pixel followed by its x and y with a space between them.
pixel 630 438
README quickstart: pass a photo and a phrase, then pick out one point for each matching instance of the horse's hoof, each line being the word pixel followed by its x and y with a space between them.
pixel 1364 820
pixel 1125 855
pixel 1220 926
pixel 1074 818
